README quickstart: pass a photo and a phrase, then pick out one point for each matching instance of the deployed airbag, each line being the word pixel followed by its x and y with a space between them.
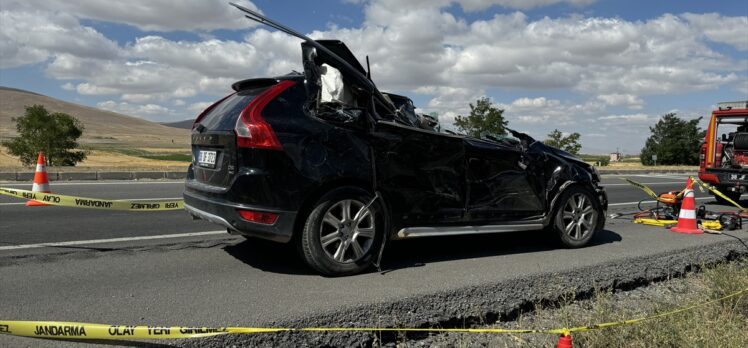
pixel 333 88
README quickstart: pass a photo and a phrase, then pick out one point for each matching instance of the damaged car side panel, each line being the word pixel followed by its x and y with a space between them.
pixel 501 187
pixel 421 173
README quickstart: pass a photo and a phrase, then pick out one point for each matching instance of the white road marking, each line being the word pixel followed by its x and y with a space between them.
pixel 124 199
pixel 110 240
pixel 149 199
pixel 60 183
pixel 646 183
pixel 679 177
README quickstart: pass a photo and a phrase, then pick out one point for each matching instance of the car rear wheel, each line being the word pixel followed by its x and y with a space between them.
pixel 343 233
pixel 577 217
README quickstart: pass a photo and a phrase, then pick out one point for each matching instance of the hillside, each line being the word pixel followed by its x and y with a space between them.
pixel 104 129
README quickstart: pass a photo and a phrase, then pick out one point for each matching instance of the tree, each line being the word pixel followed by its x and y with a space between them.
pixel 484 119
pixel 569 143
pixel 674 141
pixel 55 134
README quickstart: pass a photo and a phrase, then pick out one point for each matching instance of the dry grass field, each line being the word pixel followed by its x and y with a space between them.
pixel 614 166
pixel 113 140
pixel 101 160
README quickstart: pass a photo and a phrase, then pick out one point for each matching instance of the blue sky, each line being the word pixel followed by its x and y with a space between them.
pixel 606 69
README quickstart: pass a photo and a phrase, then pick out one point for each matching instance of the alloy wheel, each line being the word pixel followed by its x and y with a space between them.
pixel 347 231
pixel 579 217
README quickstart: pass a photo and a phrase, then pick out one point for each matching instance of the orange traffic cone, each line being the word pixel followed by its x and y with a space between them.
pixel 687 215
pixel 564 341
pixel 41 181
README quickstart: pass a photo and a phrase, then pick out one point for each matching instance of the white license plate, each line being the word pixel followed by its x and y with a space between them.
pixel 207 159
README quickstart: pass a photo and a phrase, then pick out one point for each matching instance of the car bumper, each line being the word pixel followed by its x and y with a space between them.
pixel 726 179
pixel 225 214
pixel 603 197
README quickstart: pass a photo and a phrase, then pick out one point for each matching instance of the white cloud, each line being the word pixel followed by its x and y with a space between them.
pixel 29 37
pixel 742 87
pixel 212 57
pixel 161 15
pixel 548 113
pixel 476 5
pixel 151 111
pixel 470 5
pixel 197 108
pixel 625 118
pixel 629 100
pixel 415 47
pixel 730 30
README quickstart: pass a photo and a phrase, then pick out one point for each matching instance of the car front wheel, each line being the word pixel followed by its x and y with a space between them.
pixel 577 217
pixel 343 233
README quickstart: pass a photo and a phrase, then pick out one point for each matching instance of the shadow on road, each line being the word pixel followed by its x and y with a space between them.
pixel 282 258
pixel 269 256
pixel 418 252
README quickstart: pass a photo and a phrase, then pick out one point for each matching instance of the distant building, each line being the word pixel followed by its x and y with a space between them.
pixel 616 157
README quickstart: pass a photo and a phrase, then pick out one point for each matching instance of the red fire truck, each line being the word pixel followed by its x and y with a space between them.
pixel 724 153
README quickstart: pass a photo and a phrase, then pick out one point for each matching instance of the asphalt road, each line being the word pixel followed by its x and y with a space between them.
pixel 214 279
pixel 20 225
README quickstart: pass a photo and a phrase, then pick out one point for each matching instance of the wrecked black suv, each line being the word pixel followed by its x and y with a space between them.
pixel 324 160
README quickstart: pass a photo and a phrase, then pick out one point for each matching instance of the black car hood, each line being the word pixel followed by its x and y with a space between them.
pixel 568 156
pixel 550 149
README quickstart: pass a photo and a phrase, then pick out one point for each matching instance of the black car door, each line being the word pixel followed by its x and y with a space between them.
pixel 502 183
pixel 421 172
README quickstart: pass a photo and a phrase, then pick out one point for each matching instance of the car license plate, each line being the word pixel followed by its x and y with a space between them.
pixel 207 159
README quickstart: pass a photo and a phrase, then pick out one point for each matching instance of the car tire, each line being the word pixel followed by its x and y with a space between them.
pixel 332 242
pixel 735 196
pixel 578 216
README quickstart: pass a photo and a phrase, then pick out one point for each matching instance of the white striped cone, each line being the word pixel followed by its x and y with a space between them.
pixel 41 181
pixel 687 216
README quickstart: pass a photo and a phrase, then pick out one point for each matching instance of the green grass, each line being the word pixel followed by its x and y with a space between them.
pixel 719 324
pixel 162 156
pixel 722 324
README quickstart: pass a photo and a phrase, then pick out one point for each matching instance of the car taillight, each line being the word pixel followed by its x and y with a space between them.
pixel 260 217
pixel 251 129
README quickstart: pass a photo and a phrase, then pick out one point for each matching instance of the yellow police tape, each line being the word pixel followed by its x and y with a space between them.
pixel 703 185
pixel 77 331
pixel 93 203
pixel 644 188
pixel 655 222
